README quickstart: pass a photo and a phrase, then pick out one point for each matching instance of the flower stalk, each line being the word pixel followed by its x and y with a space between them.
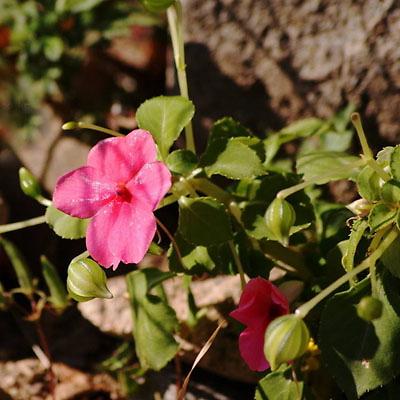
pixel 175 22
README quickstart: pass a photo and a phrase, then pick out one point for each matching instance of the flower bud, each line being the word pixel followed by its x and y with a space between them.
pixel 280 217
pixel 87 280
pixel 29 183
pixel 286 338
pixel 369 308
pixel 359 207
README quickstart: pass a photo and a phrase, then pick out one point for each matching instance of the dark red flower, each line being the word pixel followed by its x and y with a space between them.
pixel 260 303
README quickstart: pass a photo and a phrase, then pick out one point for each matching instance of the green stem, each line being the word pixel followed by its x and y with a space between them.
pixel 175 22
pixel 83 125
pixel 378 169
pixel 166 201
pixel 22 224
pixel 238 263
pixel 210 189
pixel 305 308
pixel 356 120
pixel 315 179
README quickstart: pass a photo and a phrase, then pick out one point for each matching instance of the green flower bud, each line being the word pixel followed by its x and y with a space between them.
pixel 369 308
pixel 157 5
pixel 286 338
pixel 280 217
pixel 87 280
pixel 29 183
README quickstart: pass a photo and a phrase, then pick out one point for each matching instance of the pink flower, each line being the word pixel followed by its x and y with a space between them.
pixel 119 188
pixel 259 304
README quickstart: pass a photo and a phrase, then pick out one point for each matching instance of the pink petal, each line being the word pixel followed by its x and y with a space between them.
pixel 150 184
pixel 251 347
pixel 82 192
pixel 120 231
pixel 255 302
pixel 121 158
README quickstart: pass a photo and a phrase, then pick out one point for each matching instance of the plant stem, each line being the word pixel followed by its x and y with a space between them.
pixel 22 224
pixel 238 263
pixel 175 22
pixel 305 308
pixel 83 125
pixel 315 179
pixel 356 120
pixel 210 189
pixel 378 169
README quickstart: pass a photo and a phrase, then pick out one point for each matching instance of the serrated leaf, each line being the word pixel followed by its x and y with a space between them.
pixel 357 232
pixel 204 221
pixel 231 158
pixel 390 192
pixel 360 355
pixel 278 385
pixel 182 162
pixel 380 216
pixel 154 323
pixel 226 128
pixel 66 226
pixel 395 162
pixel 368 184
pixel 165 117
pixel 329 165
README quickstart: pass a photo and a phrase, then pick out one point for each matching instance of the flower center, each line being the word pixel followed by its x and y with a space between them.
pixel 123 193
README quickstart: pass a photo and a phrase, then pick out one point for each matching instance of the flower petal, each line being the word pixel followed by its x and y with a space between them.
pixel 82 192
pixel 120 231
pixel 150 184
pixel 121 158
pixel 251 347
pixel 255 302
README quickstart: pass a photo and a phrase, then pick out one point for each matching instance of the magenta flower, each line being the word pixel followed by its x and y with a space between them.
pixel 259 304
pixel 119 188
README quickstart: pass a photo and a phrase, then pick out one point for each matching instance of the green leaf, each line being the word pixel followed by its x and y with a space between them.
pixel 165 117
pixel 66 226
pixel 231 158
pixel 328 165
pixel 20 265
pixel 204 221
pixel 395 162
pixel 182 162
pixel 157 5
pixel 391 192
pixel 390 258
pixel 302 128
pixel 278 385
pixel 380 216
pixel 58 293
pixel 368 184
pixel 360 355
pixel 226 128
pixel 357 232
pixel 154 323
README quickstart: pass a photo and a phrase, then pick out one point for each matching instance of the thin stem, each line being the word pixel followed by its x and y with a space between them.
pixel 378 169
pixel 22 224
pixel 315 179
pixel 210 189
pixel 166 201
pixel 356 120
pixel 175 22
pixel 83 125
pixel 171 238
pixel 238 263
pixel 305 308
